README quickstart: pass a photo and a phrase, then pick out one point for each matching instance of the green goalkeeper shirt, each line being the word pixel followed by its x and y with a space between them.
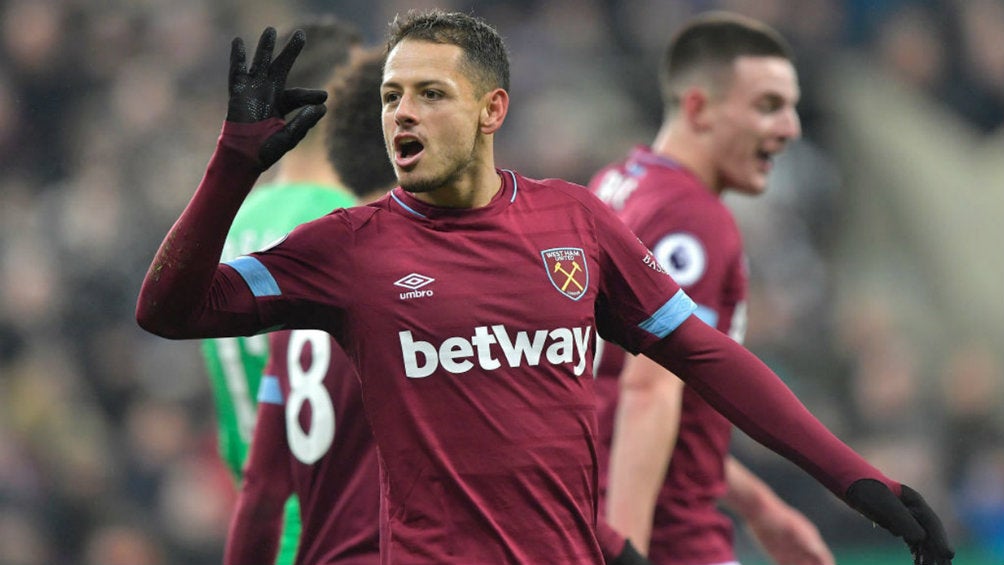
pixel 235 365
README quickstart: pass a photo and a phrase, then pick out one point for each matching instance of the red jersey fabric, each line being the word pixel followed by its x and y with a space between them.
pixel 472 331
pixel 311 395
pixel 695 238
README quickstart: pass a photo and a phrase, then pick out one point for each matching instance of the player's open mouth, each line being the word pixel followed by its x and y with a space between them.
pixel 407 151
pixel 765 158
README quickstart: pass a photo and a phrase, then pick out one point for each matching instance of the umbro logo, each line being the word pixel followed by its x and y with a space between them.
pixel 414 283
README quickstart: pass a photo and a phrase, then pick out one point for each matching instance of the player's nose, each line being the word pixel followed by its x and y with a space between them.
pixel 789 126
pixel 406 110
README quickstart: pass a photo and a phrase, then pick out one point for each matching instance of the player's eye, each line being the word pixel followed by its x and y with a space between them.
pixel 770 104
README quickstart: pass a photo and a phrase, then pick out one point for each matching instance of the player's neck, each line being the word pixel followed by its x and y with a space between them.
pixel 475 186
pixel 675 143
pixel 469 193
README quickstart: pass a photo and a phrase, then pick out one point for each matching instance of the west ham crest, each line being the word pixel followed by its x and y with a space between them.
pixel 566 267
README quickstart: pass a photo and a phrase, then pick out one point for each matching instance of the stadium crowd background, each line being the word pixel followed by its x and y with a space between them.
pixel 876 266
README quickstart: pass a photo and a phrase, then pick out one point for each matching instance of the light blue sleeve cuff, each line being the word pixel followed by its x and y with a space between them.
pixel 707 315
pixel 256 275
pixel 269 391
pixel 669 317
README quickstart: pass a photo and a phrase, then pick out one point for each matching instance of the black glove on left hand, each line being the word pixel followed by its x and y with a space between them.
pixel 908 517
pixel 260 93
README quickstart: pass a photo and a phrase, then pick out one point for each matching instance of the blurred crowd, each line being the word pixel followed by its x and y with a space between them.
pixel 110 109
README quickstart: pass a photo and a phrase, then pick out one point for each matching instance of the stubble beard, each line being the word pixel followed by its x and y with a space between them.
pixel 422 185
pixel 449 177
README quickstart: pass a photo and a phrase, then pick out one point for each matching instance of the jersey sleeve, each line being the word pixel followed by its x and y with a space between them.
pixel 638 302
pixel 186 293
pixel 742 388
pixel 256 525
pixel 696 241
pixel 302 281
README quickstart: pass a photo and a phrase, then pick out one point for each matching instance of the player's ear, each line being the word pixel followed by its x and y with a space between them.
pixel 494 107
pixel 694 107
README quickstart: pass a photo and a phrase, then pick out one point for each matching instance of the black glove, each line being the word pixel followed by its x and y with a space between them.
pixel 908 517
pixel 260 93
pixel 630 556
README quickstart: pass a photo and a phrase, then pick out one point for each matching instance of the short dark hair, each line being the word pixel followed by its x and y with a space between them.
pixel 329 45
pixel 712 42
pixel 354 135
pixel 485 55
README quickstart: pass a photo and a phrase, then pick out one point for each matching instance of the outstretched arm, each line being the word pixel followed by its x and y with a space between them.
pixel 185 294
pixel 751 396
pixel 785 534
pixel 648 420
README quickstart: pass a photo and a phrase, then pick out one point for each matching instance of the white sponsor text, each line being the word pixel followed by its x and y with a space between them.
pixel 490 347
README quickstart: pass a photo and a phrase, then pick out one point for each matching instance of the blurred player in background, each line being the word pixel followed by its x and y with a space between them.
pixel 467 300
pixel 304 187
pixel 312 438
pixel 730 90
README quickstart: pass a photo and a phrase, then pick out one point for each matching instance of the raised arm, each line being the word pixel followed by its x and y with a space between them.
pixel 748 393
pixel 185 294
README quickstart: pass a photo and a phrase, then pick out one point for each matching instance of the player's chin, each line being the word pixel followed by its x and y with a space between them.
pixel 416 184
pixel 406 176
pixel 751 186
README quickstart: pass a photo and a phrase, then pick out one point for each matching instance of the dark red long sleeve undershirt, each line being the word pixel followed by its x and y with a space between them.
pixel 741 387
pixel 175 300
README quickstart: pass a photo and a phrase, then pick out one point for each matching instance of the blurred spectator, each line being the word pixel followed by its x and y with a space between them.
pixel 911 44
pixel 22 541
pixel 972 384
pixel 980 97
pixel 123 544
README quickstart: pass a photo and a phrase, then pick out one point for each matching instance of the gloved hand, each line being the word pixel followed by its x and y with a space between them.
pixel 907 516
pixel 629 556
pixel 260 93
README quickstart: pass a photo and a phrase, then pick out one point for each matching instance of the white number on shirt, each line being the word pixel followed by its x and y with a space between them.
pixel 306 384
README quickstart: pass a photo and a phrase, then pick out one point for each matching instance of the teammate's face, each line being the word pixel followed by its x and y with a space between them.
pixel 430 116
pixel 753 120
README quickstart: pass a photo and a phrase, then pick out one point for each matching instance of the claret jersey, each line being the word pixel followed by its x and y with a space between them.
pixel 309 397
pixel 695 238
pixel 473 333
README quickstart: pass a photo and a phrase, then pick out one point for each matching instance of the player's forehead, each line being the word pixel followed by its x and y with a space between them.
pixel 752 77
pixel 421 62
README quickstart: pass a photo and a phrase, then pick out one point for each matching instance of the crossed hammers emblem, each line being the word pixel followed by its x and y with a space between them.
pixel 569 275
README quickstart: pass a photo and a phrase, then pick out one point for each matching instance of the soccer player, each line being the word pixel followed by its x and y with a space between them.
pixel 312 437
pixel 304 187
pixel 468 300
pixel 730 91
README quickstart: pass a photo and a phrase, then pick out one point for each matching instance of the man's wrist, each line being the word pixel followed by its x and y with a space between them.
pixel 246 140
